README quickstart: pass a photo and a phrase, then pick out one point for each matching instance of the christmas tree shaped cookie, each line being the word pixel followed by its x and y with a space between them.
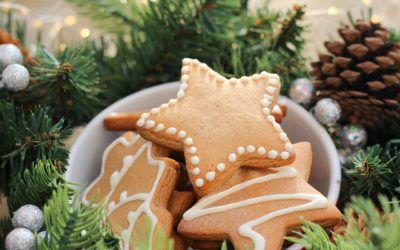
pixel 256 208
pixel 220 124
pixel 136 182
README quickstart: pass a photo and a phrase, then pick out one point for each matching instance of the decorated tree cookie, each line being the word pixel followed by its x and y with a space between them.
pixel 220 124
pixel 136 182
pixel 257 207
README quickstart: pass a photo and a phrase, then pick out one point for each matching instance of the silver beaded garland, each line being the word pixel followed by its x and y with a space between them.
pixel 9 54
pixel 15 77
pixel 28 216
pixel 301 91
pixel 20 239
pixel 327 111
pixel 353 137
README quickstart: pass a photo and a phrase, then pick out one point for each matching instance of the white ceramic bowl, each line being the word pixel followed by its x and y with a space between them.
pixel 85 157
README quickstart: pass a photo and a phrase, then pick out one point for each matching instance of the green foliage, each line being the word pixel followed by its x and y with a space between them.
pixel 374 171
pixel 379 230
pixel 28 137
pixel 68 83
pixel 73 225
pixel 153 38
pixel 35 185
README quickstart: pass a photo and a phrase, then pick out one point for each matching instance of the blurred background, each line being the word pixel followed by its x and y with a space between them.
pixel 58 23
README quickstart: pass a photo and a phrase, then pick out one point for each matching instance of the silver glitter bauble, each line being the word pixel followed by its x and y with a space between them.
pixel 9 54
pixel 353 137
pixel 20 239
pixel 15 77
pixel 301 91
pixel 28 216
pixel 327 111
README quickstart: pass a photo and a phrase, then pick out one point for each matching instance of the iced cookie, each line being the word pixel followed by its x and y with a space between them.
pixel 256 208
pixel 220 124
pixel 136 182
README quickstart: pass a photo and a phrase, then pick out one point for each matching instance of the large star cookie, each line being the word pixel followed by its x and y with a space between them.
pixel 220 124
pixel 256 208
pixel 136 183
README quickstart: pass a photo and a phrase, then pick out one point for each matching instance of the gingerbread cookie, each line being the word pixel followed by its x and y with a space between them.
pixel 256 208
pixel 136 182
pixel 220 124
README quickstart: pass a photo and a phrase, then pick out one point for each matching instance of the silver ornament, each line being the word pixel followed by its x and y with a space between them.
pixel 15 77
pixel 353 137
pixel 20 239
pixel 301 91
pixel 28 216
pixel 9 54
pixel 327 111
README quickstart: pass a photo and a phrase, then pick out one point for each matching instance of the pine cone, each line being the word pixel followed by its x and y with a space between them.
pixel 362 73
pixel 5 37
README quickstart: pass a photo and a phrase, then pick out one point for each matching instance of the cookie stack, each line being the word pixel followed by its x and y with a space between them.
pixel 213 164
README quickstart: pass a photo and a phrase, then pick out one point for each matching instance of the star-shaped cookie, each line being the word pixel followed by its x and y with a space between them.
pixel 136 183
pixel 256 208
pixel 220 124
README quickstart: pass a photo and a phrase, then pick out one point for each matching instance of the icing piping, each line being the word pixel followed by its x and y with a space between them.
pixel 145 207
pixel 246 229
pixel 273 82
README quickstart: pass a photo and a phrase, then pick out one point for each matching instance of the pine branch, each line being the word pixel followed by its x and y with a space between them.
pixel 28 137
pixel 373 171
pixel 68 83
pixel 72 225
pixel 379 229
pixel 35 185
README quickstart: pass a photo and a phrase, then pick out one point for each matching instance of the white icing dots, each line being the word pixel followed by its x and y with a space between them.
pixel 272 154
pixel 271 118
pixel 212 74
pixel 220 167
pixel 164 106
pixel 188 141
pixel 220 79
pixel 203 67
pixel 180 94
pixel 186 61
pixel 172 102
pixel 274 82
pixel 250 149
pixel 256 77
pixel 185 69
pixel 265 102
pixel 210 175
pixel 145 115
pixel 195 171
pixel 283 136
pixel 159 127
pixel 232 157
pixel 289 147
pixel 271 90
pixel 277 127
pixel 199 182
pixel 182 134
pixel 244 79
pixel 154 111
pixel 264 74
pixel 233 81
pixel 261 150
pixel 266 111
pixel 140 122
pixel 184 86
pixel 192 150
pixel 195 160
pixel 241 150
pixel 171 131
pixel 150 124
pixel 184 78
pixel 284 155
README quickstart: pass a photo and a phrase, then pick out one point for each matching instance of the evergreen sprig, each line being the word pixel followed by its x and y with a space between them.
pixel 374 171
pixel 68 83
pixel 378 230
pixel 73 225
pixel 28 137
pixel 35 185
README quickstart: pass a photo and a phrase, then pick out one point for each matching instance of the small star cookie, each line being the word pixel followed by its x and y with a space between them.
pixel 220 124
pixel 256 208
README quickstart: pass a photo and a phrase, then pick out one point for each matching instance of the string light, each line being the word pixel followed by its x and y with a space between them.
pixel 37 24
pixel 85 32
pixel 333 11
pixel 367 2
pixel 70 20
